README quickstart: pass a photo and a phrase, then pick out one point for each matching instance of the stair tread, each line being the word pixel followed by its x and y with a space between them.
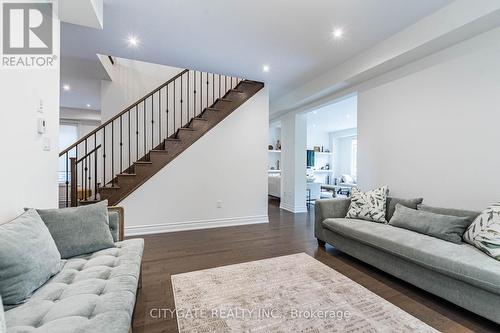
pixel 213 109
pixel 187 129
pixel 143 162
pixel 126 174
pixel 237 91
pixel 224 100
pixel 111 187
pixel 163 151
pixel 199 118
pixel 172 139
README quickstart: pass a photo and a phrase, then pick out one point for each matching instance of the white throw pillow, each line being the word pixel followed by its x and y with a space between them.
pixel 484 232
pixel 370 206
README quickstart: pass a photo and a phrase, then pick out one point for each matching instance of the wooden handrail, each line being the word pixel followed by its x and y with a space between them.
pixel 123 112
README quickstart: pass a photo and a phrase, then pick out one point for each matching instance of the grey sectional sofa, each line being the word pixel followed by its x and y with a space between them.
pixel 92 293
pixel 460 273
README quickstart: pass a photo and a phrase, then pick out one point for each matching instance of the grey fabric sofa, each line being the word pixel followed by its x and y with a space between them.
pixel 459 273
pixel 92 293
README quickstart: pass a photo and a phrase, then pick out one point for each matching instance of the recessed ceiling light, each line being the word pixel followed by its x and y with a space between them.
pixel 265 68
pixel 338 33
pixel 66 87
pixel 88 105
pixel 133 41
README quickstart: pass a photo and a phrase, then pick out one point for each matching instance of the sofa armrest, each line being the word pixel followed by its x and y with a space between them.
pixel 116 223
pixel 328 208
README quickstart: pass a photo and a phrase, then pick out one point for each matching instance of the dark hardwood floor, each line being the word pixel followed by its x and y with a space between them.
pixel 287 233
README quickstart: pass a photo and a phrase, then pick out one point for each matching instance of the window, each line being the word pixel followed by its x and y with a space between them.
pixel 68 134
pixel 354 157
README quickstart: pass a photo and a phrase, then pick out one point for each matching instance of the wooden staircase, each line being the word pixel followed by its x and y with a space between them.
pixel 88 160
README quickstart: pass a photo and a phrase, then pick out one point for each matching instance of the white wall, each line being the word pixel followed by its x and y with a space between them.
pixel 28 173
pixel 226 164
pixel 293 157
pixel 433 129
pixel 342 151
pixel 131 81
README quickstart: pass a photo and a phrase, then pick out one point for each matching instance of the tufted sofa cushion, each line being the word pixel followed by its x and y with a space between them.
pixel 92 293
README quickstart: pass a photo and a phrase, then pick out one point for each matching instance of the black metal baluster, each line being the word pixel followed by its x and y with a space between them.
pixel 207 90
pixel 76 172
pixel 67 181
pixel 121 146
pixel 194 94
pixel 167 116
pixel 95 166
pixel 182 110
pixel 112 153
pixel 174 105
pixel 159 116
pixel 86 168
pixel 129 139
pixel 145 128
pixel 137 132
pixel 152 122
pixel 104 156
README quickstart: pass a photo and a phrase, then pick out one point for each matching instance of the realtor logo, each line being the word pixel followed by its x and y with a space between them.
pixel 27 28
pixel 27 35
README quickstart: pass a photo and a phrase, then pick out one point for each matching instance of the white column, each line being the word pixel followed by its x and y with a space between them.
pixel 293 159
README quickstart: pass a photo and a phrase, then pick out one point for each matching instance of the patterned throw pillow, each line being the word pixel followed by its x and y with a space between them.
pixel 484 232
pixel 368 205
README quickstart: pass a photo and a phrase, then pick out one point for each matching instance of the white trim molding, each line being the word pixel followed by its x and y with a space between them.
pixel 193 225
pixel 293 209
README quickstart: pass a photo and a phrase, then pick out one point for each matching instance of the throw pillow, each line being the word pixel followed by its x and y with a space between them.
pixel 28 257
pixel 446 227
pixel 471 215
pixel 392 202
pixel 79 230
pixel 484 232
pixel 370 206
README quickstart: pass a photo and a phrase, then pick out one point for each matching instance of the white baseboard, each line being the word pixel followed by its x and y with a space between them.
pixel 293 209
pixel 193 225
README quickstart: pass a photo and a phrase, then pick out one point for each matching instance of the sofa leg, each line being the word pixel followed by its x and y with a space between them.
pixel 321 243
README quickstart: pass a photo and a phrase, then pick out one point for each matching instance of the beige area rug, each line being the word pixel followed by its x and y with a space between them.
pixel 294 293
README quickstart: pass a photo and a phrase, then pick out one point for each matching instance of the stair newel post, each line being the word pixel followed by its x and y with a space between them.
pixel 67 179
pixel 74 187
pixel 95 166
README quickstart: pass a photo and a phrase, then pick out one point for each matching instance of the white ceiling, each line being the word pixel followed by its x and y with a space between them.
pixel 84 77
pixel 335 117
pixel 237 37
